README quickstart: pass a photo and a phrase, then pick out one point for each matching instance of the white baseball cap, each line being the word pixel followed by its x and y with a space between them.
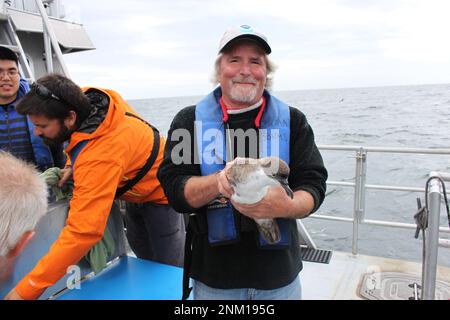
pixel 244 32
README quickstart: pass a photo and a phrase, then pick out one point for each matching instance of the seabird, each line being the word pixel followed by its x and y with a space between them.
pixel 251 179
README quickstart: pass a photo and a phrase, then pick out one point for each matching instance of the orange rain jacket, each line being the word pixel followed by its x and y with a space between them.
pixel 116 151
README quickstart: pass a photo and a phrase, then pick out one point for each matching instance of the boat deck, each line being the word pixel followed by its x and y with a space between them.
pixel 343 277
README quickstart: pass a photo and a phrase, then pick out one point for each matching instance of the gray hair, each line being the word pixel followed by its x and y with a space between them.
pixel 270 66
pixel 23 200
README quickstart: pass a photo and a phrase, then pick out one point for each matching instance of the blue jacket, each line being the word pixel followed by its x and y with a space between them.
pixel 42 154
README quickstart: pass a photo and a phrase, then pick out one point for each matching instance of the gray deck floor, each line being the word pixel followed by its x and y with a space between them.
pixel 342 278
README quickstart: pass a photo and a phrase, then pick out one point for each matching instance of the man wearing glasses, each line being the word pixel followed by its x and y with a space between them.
pixel 17 131
pixel 114 154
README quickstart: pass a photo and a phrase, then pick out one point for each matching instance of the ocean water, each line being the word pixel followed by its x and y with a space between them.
pixel 401 116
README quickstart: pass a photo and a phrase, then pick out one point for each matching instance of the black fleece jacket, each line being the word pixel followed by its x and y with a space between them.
pixel 244 264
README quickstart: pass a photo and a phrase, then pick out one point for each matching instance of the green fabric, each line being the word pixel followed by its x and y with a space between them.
pixel 51 177
pixel 98 254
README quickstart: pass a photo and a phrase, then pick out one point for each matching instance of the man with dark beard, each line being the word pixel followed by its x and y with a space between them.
pixel 113 153
pixel 224 254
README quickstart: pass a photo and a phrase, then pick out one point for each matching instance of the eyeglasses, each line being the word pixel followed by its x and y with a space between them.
pixel 44 92
pixel 10 73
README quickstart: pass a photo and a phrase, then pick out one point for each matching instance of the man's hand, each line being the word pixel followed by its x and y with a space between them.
pixel 66 173
pixel 13 295
pixel 223 185
pixel 275 204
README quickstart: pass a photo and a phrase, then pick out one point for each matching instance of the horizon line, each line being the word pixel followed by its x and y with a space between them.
pixel 309 89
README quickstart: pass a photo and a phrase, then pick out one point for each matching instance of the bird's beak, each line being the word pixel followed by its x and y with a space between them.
pixel 289 192
pixel 284 183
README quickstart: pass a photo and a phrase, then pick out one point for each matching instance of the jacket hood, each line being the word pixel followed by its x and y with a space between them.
pixel 99 109
pixel 108 110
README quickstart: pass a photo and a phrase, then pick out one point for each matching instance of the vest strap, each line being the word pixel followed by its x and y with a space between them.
pixel 144 170
pixel 187 263
pixel 150 161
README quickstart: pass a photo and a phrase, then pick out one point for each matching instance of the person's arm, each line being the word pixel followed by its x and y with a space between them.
pixel 199 191
pixel 95 186
pixel 307 170
pixel 13 295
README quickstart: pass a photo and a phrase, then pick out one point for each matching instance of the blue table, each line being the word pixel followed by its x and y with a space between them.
pixel 131 279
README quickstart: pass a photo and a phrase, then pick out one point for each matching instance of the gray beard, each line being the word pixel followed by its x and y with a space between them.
pixel 243 96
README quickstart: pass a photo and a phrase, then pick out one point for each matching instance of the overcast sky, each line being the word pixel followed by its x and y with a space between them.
pixel 163 48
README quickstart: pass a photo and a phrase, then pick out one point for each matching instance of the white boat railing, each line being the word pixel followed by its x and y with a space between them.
pixel 434 192
pixel 360 186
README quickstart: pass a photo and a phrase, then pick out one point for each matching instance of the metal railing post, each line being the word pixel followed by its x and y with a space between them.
pixel 362 204
pixel 432 234
pixel 26 70
pixel 48 52
pixel 47 26
pixel 360 159
pixel 431 242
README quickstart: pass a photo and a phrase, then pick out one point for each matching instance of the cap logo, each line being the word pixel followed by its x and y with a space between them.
pixel 246 29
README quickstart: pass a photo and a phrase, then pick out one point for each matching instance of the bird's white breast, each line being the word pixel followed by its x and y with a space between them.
pixel 253 187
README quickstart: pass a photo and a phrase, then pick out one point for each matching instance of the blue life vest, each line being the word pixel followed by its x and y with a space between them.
pixel 42 154
pixel 274 138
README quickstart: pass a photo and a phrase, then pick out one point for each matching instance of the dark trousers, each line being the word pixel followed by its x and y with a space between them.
pixel 156 232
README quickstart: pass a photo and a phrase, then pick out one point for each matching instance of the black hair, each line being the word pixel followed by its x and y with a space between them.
pixel 8 54
pixel 70 98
